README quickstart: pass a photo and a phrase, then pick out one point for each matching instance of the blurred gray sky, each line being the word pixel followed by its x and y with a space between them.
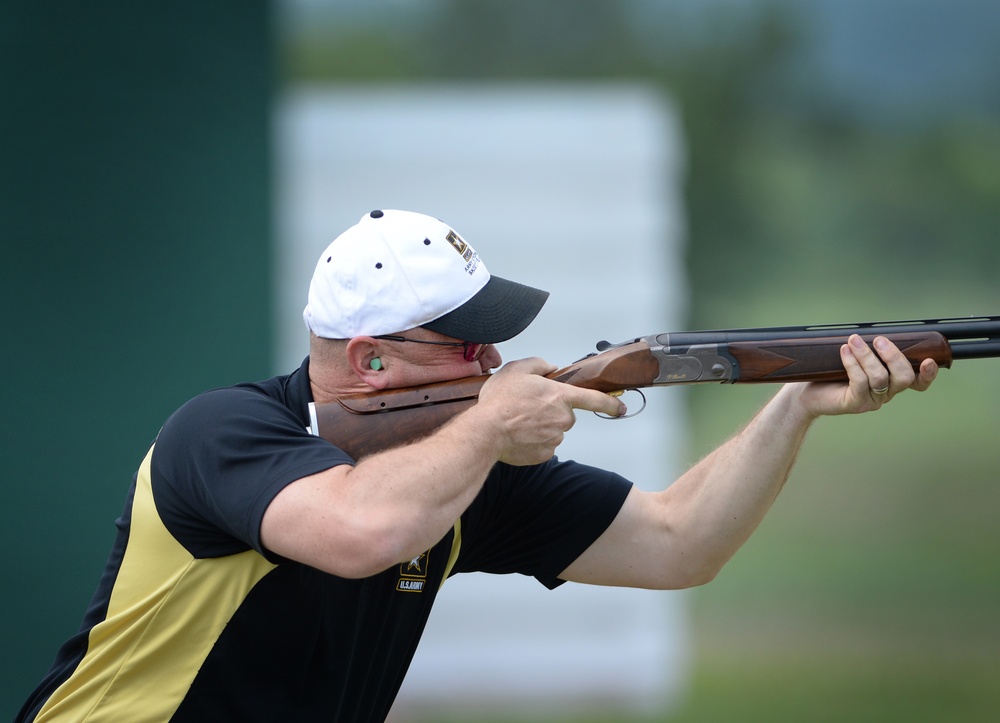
pixel 885 60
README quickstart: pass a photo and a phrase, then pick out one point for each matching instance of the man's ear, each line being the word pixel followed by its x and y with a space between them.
pixel 361 352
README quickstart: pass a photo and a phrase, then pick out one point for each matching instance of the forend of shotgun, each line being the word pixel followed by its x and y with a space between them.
pixel 813 359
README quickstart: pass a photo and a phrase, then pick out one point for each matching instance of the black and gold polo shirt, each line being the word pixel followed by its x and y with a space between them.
pixel 194 620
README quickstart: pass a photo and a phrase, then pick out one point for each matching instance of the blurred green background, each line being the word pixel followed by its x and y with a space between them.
pixel 843 164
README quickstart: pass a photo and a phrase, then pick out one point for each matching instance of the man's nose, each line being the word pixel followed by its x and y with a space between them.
pixel 491 358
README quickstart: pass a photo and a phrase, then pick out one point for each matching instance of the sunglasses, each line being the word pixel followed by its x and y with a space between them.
pixel 471 351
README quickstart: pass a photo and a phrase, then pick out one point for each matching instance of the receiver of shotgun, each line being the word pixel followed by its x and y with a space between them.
pixel 363 424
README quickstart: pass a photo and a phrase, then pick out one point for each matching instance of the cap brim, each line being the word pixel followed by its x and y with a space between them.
pixel 500 311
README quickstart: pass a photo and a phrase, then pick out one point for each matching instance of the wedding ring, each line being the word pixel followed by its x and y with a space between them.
pixel 884 390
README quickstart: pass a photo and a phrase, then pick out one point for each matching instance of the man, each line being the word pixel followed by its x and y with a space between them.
pixel 260 573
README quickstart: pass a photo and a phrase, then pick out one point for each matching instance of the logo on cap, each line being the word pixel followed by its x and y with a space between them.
pixel 465 251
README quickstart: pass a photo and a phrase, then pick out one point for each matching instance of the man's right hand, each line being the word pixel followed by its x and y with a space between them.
pixel 531 413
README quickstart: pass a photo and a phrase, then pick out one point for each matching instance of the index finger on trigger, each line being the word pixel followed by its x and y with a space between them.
pixel 592 400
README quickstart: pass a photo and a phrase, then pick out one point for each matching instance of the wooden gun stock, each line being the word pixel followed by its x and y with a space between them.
pixel 363 424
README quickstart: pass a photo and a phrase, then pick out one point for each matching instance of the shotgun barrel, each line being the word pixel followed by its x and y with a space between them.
pixel 974 337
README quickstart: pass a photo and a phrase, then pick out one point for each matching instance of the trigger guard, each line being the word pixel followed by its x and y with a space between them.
pixel 629 415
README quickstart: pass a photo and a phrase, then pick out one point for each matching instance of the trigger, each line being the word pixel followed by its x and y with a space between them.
pixel 630 414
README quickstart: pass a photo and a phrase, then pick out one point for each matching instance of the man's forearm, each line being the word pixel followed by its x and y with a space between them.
pixel 417 491
pixel 421 489
pixel 720 502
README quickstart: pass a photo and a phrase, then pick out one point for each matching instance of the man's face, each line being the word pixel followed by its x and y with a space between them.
pixel 417 362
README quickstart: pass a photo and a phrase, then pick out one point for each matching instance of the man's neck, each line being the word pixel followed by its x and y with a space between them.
pixel 329 384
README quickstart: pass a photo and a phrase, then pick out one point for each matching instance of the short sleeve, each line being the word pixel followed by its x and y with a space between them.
pixel 537 520
pixel 220 460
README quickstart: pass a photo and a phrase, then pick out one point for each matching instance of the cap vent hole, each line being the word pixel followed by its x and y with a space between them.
pixel 427 242
pixel 378 265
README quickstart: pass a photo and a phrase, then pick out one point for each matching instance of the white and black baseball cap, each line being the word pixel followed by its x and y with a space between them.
pixel 397 270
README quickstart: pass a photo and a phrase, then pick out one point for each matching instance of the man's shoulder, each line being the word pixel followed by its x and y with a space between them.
pixel 245 405
pixel 227 403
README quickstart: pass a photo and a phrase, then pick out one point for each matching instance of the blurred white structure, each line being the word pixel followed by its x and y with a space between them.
pixel 574 189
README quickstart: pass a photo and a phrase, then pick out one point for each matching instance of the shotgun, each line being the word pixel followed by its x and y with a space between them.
pixel 362 424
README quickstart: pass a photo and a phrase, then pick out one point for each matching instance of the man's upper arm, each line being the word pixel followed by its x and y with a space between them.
pixel 221 458
pixel 306 522
pixel 637 549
